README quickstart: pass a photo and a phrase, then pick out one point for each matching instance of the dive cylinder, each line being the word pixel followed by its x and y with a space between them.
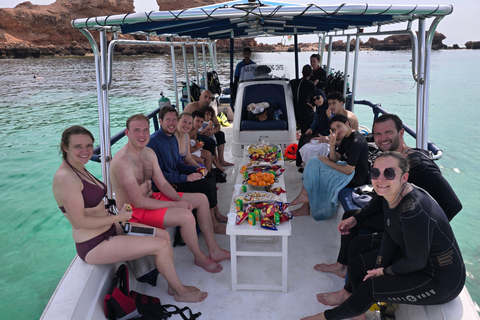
pixel 163 101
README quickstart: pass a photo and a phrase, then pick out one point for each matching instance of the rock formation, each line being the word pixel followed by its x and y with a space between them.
pixel 40 30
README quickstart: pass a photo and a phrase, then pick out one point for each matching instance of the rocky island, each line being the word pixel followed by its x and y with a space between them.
pixel 44 30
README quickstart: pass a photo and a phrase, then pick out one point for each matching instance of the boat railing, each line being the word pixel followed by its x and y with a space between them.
pixel 377 109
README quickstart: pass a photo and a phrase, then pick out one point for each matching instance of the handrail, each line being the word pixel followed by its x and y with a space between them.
pixel 377 109
pixel 96 152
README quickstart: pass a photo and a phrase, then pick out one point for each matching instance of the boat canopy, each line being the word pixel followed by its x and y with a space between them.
pixel 253 18
pixel 238 19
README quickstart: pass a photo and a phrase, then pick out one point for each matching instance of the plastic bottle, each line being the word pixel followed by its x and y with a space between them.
pixel 163 101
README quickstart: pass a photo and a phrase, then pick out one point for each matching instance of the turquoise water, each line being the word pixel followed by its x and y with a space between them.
pixel 36 238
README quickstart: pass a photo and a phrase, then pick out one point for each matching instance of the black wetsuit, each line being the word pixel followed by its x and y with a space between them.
pixel 423 173
pixel 420 255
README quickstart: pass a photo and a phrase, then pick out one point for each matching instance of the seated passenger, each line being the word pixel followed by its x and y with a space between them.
pixel 419 261
pixel 185 124
pixel 318 130
pixel 205 100
pixel 185 178
pixel 324 177
pixel 98 235
pixel 336 105
pixel 132 170
pixel 196 145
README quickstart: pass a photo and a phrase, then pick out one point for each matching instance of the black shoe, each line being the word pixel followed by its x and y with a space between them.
pixel 300 170
pixel 178 239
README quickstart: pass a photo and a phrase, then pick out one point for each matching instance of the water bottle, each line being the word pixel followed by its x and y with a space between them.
pixel 163 101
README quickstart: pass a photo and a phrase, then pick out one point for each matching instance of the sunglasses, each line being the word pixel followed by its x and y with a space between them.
pixel 388 173
pixel 317 98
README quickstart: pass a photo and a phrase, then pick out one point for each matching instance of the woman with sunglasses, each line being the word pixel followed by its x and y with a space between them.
pixel 419 261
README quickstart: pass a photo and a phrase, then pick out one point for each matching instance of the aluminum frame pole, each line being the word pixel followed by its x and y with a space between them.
pixel 422 124
pixel 355 69
pixel 205 75
pixel 187 80
pixel 347 56
pixel 196 62
pixel 175 84
pixel 329 59
pixel 104 116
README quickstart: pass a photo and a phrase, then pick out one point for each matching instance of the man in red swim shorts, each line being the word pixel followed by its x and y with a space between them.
pixel 132 171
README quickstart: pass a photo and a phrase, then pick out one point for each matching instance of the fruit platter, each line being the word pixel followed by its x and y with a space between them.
pixel 263 153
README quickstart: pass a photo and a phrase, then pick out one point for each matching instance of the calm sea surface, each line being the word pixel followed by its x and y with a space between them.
pixel 36 238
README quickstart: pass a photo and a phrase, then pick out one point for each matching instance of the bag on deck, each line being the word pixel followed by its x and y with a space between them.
pixel 214 83
pixel 120 303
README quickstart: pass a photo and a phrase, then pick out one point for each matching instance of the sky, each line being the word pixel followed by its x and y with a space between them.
pixel 459 27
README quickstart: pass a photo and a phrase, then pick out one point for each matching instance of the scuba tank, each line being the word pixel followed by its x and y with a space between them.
pixel 163 101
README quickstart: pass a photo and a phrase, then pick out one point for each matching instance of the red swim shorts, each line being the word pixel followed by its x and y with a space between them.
pixel 152 218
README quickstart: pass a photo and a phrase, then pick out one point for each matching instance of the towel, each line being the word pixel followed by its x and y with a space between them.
pixel 323 183
pixel 310 150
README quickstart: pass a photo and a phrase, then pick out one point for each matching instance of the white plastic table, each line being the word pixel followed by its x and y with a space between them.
pixel 245 229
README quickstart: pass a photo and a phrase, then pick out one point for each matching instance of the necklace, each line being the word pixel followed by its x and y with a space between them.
pixel 398 194
pixel 89 176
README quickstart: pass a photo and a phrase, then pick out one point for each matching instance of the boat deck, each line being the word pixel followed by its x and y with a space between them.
pixel 80 293
pixel 311 242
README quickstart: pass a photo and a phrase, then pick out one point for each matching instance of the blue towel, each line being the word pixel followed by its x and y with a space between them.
pixel 323 184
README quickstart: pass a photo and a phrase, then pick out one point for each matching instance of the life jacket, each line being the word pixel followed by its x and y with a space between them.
pixel 291 151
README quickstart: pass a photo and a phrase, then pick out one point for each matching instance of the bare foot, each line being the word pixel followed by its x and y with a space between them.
pixel 301 198
pixel 333 298
pixel 171 292
pixel 337 268
pixel 220 228
pixel 226 164
pixel 209 265
pixel 302 211
pixel 319 316
pixel 221 218
pixel 219 255
pixel 190 296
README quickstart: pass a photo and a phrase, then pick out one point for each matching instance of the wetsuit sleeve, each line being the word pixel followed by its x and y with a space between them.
pixel 374 206
pixel 426 174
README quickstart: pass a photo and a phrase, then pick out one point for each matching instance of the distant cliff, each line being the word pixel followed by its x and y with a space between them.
pixel 43 30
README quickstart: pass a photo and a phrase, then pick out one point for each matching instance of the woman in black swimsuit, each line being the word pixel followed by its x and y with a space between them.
pixel 98 235
pixel 419 261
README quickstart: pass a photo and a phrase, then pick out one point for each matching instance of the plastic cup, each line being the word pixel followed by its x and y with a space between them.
pixel 238 189
pixel 231 218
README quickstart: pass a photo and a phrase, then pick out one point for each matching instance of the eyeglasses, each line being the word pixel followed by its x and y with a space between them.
pixel 317 98
pixel 388 173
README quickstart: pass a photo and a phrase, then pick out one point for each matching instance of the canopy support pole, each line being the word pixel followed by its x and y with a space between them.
pixel 187 80
pixel 205 75
pixel 196 61
pixel 347 56
pixel 174 68
pixel 329 59
pixel 295 40
pixel 355 69
pixel 422 124
pixel 104 114
pixel 232 47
